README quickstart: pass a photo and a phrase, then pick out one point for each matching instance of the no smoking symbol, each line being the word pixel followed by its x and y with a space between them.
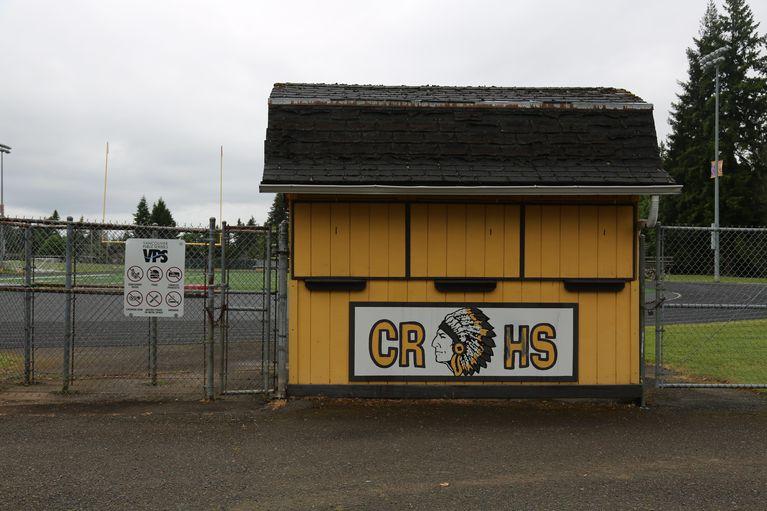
pixel 153 298
pixel 134 298
pixel 173 299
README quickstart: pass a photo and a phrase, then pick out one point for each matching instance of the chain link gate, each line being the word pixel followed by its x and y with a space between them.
pixel 62 324
pixel 709 331
pixel 248 324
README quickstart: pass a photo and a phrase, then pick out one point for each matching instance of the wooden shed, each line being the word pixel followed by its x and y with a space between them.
pixel 462 241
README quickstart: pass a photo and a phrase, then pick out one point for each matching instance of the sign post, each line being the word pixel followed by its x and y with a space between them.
pixel 154 278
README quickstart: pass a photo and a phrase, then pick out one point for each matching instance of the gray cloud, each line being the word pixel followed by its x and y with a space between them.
pixel 168 82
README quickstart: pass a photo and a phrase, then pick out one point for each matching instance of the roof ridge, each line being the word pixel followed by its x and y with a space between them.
pixel 321 93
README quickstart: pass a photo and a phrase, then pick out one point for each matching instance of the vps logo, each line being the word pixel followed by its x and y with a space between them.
pixel 155 255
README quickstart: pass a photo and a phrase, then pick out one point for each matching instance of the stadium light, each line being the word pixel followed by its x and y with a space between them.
pixel 714 59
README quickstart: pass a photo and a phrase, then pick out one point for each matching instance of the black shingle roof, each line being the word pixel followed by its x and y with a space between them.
pixel 361 135
pixel 286 92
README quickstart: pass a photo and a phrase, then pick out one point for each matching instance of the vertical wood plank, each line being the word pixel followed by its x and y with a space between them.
pixel 494 240
pixel 511 231
pixel 587 338
pixel 607 245
pixel 624 230
pixel 532 240
pixel 456 240
pixel 416 290
pixel 338 339
pixel 623 340
pixel 293 326
pixel 379 240
pixel 569 238
pixel 606 338
pixel 476 235
pixel 588 241
pixel 304 334
pixel 339 239
pixel 635 360
pixel 550 234
pixel 419 223
pixel 320 239
pixel 396 240
pixel 359 240
pixel 319 372
pixel 511 292
pixel 302 245
pixel 437 240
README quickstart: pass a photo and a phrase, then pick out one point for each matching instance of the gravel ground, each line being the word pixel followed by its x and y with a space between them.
pixel 690 449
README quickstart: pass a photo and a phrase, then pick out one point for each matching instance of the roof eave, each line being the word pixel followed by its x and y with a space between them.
pixel 373 189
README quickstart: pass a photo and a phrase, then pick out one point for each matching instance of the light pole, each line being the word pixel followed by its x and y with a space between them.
pixel 713 59
pixel 4 149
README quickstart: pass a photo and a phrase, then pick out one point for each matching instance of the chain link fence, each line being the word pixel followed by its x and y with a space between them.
pixel 62 321
pixel 709 331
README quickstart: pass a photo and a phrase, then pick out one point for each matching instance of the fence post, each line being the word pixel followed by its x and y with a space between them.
pixel 658 303
pixel 223 314
pixel 641 277
pixel 267 328
pixel 28 376
pixel 66 374
pixel 209 305
pixel 282 312
pixel 153 334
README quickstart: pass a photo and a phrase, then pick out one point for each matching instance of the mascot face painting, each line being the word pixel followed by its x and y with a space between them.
pixel 464 341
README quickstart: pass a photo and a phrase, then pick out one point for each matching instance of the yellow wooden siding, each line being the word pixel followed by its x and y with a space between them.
pixel 579 241
pixel 464 240
pixel 348 239
pixel 608 330
pixel 472 240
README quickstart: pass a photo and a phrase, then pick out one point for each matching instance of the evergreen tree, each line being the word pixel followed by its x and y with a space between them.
pixel 142 216
pixel 55 215
pixel 161 215
pixel 278 212
pixel 743 119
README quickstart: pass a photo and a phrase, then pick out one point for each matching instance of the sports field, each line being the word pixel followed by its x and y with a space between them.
pixel 724 352
pixel 106 274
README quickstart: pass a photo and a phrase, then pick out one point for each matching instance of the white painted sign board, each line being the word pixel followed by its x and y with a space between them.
pixel 154 278
pixel 463 341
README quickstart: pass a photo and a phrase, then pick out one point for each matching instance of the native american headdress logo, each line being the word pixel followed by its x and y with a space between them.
pixel 464 341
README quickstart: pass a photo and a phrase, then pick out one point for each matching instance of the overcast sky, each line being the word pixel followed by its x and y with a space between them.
pixel 167 83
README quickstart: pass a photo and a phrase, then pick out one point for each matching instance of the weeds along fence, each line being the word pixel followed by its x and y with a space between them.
pixel 62 321
pixel 709 331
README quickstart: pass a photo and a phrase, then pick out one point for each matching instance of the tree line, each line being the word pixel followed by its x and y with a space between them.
pixel 688 151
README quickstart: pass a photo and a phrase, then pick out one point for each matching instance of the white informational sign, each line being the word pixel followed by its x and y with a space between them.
pixel 463 341
pixel 154 278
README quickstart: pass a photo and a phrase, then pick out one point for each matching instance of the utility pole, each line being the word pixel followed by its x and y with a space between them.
pixel 104 197
pixel 715 58
pixel 4 149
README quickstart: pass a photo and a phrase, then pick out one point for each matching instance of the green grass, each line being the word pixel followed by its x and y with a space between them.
pixel 710 278
pixel 726 352
pixel 7 361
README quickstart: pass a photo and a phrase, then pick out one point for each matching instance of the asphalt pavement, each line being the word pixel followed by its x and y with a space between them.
pixel 99 321
pixel 710 297
pixel 688 450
